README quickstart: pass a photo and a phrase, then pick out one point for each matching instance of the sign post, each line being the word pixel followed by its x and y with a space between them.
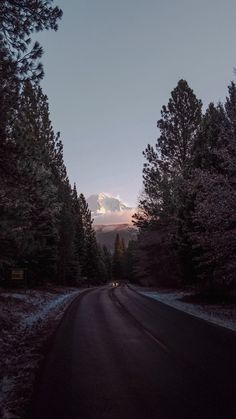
pixel 18 276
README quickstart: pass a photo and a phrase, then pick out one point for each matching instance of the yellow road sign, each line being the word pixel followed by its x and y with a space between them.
pixel 17 274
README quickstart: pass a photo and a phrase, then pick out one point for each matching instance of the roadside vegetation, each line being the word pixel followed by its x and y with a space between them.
pixel 46 226
pixel 186 215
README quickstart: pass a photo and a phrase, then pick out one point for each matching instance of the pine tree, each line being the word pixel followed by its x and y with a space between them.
pixel 210 139
pixel 107 260
pixel 45 226
pixel 123 245
pixel 68 264
pixel 169 164
pixel 215 203
pixel 130 261
pixel 18 20
pixel 118 258
pixel 19 61
pixel 167 171
pixel 21 175
pixel 90 263
pixel 79 239
pixel 29 195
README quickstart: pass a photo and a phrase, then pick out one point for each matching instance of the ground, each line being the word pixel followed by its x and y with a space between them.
pixel 27 319
pixel 119 354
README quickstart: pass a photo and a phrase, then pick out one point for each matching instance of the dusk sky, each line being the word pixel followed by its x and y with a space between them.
pixel 111 67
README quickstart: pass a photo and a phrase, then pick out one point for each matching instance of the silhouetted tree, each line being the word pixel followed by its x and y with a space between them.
pixel 18 20
pixel 215 200
pixel 118 259
pixel 19 60
pixel 167 170
pixel 29 205
pixel 130 261
pixel 107 260
pixel 92 266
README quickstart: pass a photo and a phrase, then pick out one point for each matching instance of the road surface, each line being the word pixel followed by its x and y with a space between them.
pixel 120 355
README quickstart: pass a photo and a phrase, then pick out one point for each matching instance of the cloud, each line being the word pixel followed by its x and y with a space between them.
pixel 117 217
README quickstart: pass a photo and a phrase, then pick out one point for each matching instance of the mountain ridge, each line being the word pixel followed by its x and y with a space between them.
pixel 102 202
pixel 111 217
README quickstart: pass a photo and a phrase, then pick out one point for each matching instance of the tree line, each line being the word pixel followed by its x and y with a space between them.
pixel 123 260
pixel 187 210
pixel 46 226
pixel 186 214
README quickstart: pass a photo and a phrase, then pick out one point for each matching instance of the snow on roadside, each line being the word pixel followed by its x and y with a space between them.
pixel 222 315
pixel 43 313
pixel 27 318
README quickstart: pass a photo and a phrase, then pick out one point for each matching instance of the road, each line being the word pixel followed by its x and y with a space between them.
pixel 120 355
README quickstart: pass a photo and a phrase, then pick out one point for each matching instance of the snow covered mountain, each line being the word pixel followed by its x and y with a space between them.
pixel 111 216
pixel 102 203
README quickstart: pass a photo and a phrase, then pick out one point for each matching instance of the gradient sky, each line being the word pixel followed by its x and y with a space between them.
pixel 111 67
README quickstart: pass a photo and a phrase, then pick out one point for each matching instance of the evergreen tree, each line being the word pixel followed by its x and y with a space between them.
pixel 90 263
pixel 23 175
pixel 79 239
pixel 45 226
pixel 130 261
pixel 107 260
pixel 18 20
pixel 215 202
pixel 118 259
pixel 29 202
pixel 19 61
pixel 68 262
pixel 169 164
pixel 104 265
pixel 210 139
pixel 167 171
pixel 123 245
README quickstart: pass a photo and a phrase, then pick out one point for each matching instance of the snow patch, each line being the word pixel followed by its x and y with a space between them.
pixel 44 311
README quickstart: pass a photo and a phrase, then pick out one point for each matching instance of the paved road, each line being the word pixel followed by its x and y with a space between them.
pixel 120 355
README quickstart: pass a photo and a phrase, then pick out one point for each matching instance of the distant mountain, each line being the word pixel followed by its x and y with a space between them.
pixel 102 203
pixel 108 210
pixel 111 216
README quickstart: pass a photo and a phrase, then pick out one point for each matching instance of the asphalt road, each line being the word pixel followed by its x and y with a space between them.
pixel 120 355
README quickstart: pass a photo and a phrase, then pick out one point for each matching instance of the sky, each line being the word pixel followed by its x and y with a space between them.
pixel 111 67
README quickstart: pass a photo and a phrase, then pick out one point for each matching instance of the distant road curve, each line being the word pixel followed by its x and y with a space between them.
pixel 120 355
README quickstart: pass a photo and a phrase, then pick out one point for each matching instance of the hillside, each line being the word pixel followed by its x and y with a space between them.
pixel 106 234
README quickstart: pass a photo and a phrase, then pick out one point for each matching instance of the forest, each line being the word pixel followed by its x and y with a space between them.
pixel 46 226
pixel 186 217
pixel 187 211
